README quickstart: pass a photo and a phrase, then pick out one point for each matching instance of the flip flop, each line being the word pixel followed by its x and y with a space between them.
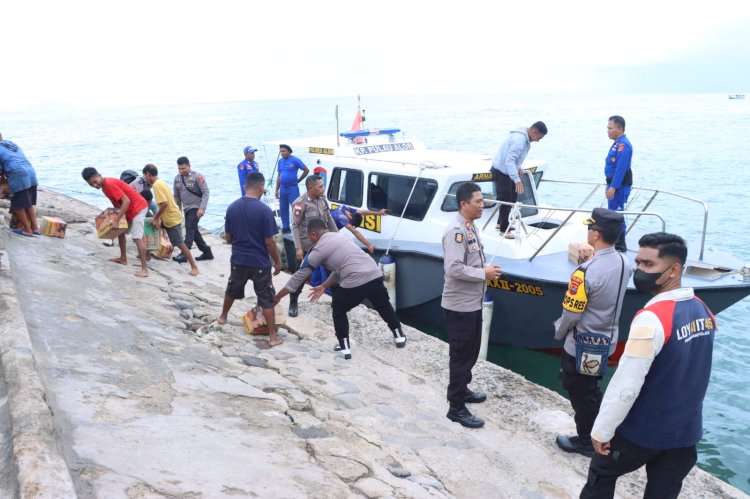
pixel 20 232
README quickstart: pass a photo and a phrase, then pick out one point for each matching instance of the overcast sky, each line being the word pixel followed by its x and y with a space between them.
pixel 99 53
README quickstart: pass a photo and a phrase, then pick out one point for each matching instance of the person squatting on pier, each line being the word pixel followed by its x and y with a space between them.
pixel 307 207
pixel 652 412
pixel 250 226
pixel 358 278
pixel 22 181
pixel 592 304
pixel 617 172
pixel 466 278
pixel 507 169
pixel 169 215
pixel 287 189
pixel 191 195
pixel 129 204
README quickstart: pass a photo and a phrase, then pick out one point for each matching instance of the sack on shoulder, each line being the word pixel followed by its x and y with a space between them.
pixel 592 353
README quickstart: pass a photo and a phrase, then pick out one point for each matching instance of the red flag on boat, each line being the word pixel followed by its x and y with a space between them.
pixel 357 125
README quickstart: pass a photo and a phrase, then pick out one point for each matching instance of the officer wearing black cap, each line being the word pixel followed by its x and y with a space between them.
pixel 592 304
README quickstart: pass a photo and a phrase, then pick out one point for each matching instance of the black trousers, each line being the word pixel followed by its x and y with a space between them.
pixel 192 233
pixel 506 191
pixel 345 299
pixel 665 469
pixel 585 395
pixel 464 340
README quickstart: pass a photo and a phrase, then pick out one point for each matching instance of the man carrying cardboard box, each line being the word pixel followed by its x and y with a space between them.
pixel 130 205
pixel 169 215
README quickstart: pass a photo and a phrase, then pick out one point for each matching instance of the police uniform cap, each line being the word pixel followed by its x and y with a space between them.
pixel 606 220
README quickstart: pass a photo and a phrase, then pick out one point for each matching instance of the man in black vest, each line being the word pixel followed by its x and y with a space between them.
pixel 652 411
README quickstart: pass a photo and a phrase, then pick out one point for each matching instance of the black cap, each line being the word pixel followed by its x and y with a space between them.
pixel 606 220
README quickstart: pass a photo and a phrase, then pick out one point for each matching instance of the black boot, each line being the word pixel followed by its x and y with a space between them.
pixel 398 336
pixel 293 304
pixel 207 255
pixel 575 444
pixel 460 414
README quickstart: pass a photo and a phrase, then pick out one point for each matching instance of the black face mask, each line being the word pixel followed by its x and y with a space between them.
pixel 645 282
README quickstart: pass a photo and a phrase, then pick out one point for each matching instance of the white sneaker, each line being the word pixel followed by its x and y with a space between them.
pixel 399 338
pixel 346 350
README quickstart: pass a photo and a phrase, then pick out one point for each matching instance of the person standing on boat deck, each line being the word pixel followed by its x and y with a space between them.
pixel 358 276
pixel 250 227
pixel 617 171
pixel 652 412
pixel 346 217
pixel 287 189
pixel 463 291
pixel 22 182
pixel 247 166
pixel 592 304
pixel 191 194
pixel 507 169
pixel 309 206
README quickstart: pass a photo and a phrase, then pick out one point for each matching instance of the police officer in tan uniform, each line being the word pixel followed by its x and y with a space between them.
pixel 592 304
pixel 312 204
pixel 466 274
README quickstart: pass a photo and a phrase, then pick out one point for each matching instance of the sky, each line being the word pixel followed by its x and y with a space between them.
pixel 99 54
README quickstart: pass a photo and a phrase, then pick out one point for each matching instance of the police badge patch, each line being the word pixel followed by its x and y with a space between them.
pixel 459 238
pixel 297 210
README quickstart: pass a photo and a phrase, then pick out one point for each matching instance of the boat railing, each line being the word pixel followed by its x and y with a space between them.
pixel 654 194
pixel 572 211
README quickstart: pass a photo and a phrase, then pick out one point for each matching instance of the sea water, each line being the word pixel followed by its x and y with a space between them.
pixel 693 144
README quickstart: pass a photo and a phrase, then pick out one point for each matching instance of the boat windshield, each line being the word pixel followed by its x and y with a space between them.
pixel 489 193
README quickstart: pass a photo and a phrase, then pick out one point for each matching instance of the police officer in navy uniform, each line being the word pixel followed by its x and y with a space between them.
pixel 652 412
pixel 592 304
pixel 465 283
pixel 617 171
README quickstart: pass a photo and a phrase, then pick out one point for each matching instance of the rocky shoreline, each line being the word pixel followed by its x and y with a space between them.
pixel 126 387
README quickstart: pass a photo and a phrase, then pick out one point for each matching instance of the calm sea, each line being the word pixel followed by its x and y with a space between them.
pixel 693 144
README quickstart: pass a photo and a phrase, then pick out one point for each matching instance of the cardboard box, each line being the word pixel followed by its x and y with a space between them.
pixel 255 323
pixel 579 252
pixel 53 227
pixel 151 236
pixel 165 247
pixel 104 228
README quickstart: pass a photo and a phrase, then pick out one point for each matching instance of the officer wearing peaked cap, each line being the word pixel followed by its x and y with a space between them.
pixel 592 304
pixel 465 283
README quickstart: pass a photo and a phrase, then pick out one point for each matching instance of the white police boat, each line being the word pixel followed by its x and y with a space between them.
pixel 376 169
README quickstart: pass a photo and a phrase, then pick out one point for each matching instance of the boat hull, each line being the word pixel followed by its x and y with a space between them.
pixel 524 307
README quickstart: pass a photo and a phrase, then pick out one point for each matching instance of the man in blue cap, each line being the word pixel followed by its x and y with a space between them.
pixel 246 166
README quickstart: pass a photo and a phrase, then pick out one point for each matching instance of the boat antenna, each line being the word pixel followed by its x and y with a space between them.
pixel 338 142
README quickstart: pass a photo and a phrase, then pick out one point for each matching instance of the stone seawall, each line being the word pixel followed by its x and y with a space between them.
pixel 147 396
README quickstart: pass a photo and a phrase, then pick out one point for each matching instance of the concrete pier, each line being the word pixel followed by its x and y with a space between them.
pixel 119 387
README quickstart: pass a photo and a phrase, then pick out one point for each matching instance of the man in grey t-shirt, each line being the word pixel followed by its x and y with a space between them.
pixel 358 278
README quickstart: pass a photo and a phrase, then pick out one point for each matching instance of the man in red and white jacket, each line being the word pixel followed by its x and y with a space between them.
pixel 652 411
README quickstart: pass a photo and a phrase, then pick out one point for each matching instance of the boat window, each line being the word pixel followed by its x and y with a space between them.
pixel 346 187
pixel 392 191
pixel 488 191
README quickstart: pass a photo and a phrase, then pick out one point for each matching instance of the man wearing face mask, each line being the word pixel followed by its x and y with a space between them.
pixel 652 412
pixel 592 304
